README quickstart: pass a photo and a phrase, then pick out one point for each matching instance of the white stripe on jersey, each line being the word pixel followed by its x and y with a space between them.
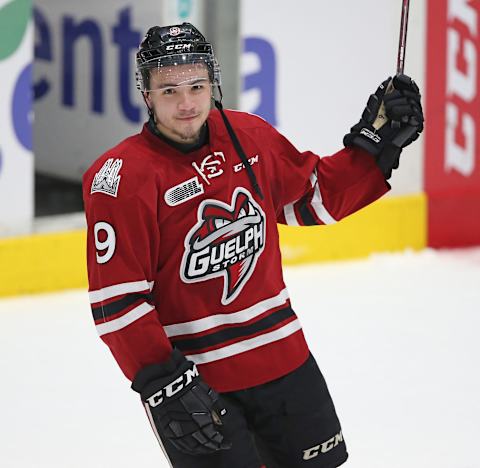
pixel 124 320
pixel 317 202
pixel 245 345
pixel 119 289
pixel 212 321
pixel 290 216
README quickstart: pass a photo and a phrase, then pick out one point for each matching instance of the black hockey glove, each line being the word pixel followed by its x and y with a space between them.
pixel 184 409
pixel 391 121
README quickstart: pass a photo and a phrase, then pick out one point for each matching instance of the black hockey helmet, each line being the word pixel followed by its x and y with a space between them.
pixel 169 46
pixel 174 45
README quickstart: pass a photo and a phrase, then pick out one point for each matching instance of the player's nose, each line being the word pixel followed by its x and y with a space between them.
pixel 185 101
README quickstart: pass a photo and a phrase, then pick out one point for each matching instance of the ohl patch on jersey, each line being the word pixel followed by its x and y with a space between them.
pixel 227 241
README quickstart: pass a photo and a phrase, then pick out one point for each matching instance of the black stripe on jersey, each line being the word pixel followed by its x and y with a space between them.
pixel 304 210
pixel 115 307
pixel 231 333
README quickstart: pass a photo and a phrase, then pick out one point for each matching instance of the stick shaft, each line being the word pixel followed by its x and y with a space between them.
pixel 402 43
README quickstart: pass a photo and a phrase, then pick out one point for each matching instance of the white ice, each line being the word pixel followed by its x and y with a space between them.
pixel 397 337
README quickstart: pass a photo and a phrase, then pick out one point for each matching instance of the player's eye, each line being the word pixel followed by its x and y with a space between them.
pixel 198 87
pixel 167 91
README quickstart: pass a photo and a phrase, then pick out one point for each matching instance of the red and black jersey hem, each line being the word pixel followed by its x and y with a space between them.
pixel 233 333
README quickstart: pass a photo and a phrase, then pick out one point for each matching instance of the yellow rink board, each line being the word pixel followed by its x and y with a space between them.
pixel 56 261
pixel 390 224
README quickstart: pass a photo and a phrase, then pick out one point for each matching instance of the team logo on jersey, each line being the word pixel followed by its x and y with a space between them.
pixel 107 180
pixel 211 166
pixel 226 241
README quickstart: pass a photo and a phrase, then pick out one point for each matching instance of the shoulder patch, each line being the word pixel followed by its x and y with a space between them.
pixel 107 180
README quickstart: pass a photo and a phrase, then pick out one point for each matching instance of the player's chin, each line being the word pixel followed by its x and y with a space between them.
pixel 188 135
pixel 191 130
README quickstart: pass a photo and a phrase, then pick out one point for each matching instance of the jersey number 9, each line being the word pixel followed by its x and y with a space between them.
pixel 107 244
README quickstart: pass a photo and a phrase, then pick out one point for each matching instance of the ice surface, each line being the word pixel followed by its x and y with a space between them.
pixel 397 337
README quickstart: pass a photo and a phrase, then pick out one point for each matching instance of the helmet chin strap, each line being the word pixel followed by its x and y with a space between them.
pixel 150 110
pixel 237 145
pixel 231 132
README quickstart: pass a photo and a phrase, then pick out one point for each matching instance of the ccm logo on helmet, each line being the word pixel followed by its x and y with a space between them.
pixel 323 448
pixel 173 387
pixel 179 47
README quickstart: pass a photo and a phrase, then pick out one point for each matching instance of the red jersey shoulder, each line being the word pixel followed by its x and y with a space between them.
pixel 121 171
pixel 262 138
pixel 240 120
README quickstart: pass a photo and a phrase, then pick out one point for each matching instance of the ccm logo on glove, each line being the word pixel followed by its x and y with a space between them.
pixel 369 134
pixel 173 387
pixel 185 411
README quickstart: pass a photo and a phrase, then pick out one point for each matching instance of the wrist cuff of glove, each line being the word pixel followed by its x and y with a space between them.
pixel 157 371
pixel 388 160
pixel 357 139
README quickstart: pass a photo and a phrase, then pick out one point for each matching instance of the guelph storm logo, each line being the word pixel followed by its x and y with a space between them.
pixel 226 241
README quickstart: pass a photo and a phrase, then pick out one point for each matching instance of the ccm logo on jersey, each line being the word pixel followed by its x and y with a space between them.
pixel 251 161
pixel 323 448
pixel 226 241
pixel 173 387
pixel 107 180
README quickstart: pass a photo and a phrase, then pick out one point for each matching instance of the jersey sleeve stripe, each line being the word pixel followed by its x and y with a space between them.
pixel 290 217
pixel 217 320
pixel 232 333
pixel 120 289
pixel 309 206
pixel 246 345
pixel 105 311
pixel 304 211
pixel 317 205
pixel 125 320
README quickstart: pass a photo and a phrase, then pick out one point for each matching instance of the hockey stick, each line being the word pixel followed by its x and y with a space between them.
pixel 381 119
pixel 402 43
pixel 393 152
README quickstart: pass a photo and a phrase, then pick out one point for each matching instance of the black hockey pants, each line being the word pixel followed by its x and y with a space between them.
pixel 287 423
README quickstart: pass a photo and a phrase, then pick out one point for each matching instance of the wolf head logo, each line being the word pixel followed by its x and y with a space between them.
pixel 226 241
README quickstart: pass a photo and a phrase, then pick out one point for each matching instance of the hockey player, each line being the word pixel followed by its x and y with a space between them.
pixel 184 263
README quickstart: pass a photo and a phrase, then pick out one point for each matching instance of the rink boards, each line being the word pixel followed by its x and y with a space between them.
pixel 56 261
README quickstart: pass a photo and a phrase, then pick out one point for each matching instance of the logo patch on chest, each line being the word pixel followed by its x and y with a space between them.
pixel 191 188
pixel 211 166
pixel 226 241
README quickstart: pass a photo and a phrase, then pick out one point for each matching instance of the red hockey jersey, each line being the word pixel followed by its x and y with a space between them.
pixel 183 252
